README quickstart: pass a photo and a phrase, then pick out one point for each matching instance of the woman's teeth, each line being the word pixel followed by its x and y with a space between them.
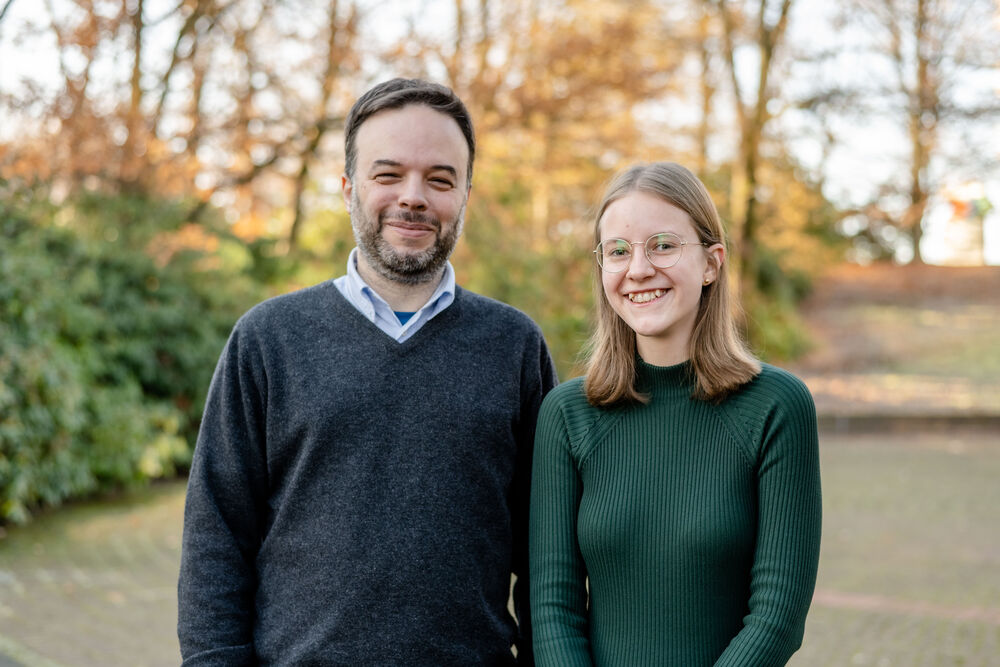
pixel 645 297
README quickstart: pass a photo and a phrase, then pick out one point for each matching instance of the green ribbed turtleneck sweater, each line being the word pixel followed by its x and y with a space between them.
pixel 696 525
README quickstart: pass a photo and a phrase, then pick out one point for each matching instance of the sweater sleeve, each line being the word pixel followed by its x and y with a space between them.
pixel 558 573
pixel 223 513
pixel 786 556
pixel 538 379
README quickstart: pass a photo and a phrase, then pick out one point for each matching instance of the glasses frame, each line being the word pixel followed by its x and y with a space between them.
pixel 645 249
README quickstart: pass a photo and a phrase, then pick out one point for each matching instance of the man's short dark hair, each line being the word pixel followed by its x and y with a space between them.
pixel 398 93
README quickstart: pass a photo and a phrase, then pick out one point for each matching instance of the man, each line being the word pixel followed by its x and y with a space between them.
pixel 358 494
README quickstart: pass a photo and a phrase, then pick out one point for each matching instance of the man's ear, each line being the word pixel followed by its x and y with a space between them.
pixel 346 188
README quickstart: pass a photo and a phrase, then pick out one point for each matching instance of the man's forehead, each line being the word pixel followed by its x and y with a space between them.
pixel 413 121
pixel 413 134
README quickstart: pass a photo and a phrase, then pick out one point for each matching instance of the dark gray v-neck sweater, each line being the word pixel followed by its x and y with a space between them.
pixel 358 501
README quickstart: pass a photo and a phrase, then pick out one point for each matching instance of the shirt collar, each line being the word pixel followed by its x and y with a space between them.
pixel 365 296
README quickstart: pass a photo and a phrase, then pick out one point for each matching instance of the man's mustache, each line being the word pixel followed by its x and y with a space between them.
pixel 411 216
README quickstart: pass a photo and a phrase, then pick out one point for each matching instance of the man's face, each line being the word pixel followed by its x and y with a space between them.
pixel 408 194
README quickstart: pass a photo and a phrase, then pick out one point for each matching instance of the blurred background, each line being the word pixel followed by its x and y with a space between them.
pixel 166 164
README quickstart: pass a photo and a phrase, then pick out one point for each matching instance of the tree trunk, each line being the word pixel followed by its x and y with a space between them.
pixel 334 55
pixel 923 125
pixel 131 159
pixel 707 90
pixel 752 120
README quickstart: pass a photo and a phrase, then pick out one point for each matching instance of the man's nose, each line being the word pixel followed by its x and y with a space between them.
pixel 413 196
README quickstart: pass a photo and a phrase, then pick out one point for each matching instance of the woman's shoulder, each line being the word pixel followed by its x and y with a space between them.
pixel 775 396
pixel 568 404
pixel 777 385
pixel 579 425
pixel 568 394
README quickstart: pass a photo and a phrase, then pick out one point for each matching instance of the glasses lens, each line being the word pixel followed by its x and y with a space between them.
pixel 614 254
pixel 664 249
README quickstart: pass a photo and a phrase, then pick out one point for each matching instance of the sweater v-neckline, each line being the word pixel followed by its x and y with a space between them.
pixel 387 341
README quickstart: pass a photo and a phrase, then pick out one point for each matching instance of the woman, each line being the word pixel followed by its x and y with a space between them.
pixel 675 507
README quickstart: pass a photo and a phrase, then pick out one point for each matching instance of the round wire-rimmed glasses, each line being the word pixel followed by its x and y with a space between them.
pixel 663 250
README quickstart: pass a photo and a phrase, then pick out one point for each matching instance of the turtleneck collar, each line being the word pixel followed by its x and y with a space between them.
pixel 674 380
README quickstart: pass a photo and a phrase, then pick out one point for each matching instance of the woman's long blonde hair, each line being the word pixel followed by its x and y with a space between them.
pixel 719 357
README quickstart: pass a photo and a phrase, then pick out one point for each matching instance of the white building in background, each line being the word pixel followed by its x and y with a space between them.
pixel 958 228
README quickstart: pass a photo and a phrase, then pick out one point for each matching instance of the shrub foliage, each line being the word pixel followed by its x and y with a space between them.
pixel 110 326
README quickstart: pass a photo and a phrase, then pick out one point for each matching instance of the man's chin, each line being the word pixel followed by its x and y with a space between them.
pixel 406 253
pixel 409 268
pixel 416 277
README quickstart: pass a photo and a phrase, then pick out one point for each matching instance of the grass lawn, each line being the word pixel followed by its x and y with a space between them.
pixel 909 341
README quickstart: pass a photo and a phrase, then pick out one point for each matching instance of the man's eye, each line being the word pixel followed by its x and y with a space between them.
pixel 442 182
pixel 387 176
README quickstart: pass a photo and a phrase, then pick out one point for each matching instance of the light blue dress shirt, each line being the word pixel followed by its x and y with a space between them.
pixel 360 295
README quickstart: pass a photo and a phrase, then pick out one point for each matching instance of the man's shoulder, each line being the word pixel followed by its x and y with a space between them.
pixel 286 308
pixel 503 336
pixel 493 312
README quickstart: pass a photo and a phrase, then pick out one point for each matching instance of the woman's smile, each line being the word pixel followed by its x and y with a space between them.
pixel 645 296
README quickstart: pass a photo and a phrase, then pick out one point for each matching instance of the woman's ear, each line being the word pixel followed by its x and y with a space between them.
pixel 716 256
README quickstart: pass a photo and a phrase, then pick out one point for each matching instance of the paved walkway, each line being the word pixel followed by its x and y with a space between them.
pixel 94 584
pixel 909 574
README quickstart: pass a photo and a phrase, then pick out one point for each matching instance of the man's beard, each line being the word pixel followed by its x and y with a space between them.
pixel 403 267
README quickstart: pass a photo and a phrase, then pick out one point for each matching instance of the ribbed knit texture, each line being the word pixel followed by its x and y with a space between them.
pixel 696 525
pixel 358 501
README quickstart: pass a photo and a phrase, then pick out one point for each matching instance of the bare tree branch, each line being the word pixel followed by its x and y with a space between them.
pixel 176 58
pixel 334 54
pixel 6 7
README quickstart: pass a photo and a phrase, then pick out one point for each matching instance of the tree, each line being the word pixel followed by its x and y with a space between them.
pixel 932 67
pixel 340 38
pixel 762 32
pixel 219 98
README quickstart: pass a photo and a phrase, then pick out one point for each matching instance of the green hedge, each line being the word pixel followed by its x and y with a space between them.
pixel 105 354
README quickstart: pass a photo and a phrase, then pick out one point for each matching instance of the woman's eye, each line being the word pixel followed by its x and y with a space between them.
pixel 663 243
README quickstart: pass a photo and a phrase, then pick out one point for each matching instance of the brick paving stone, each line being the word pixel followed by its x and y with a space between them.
pixel 838 637
pixel 94 583
pixel 909 573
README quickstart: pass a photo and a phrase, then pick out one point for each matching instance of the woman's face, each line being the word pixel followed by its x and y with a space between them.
pixel 659 304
